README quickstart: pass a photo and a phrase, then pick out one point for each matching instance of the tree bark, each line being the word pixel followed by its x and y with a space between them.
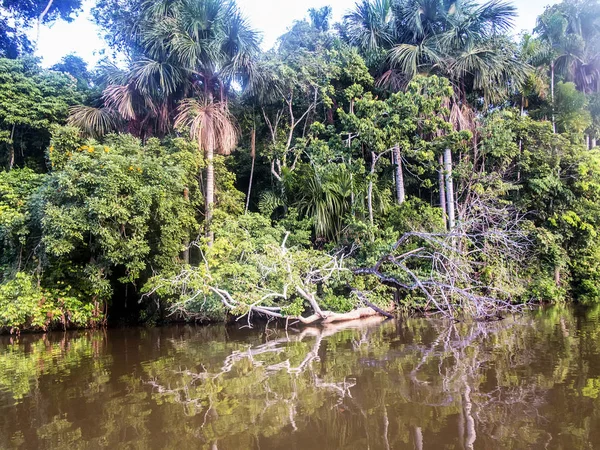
pixel 210 194
pixel 442 190
pixel 449 189
pixel 370 188
pixel 400 194
pixel 552 95
pixel 593 142
pixel 253 155
pixel 186 252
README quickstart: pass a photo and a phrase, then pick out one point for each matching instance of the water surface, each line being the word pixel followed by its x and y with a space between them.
pixel 530 381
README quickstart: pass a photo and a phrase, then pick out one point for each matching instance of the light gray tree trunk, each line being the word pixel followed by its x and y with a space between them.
pixel 586 140
pixel 186 252
pixel 253 155
pixel 210 194
pixel 418 437
pixel 400 194
pixel 449 189
pixel 593 142
pixel 370 188
pixel 552 95
pixel 39 22
pixel 442 190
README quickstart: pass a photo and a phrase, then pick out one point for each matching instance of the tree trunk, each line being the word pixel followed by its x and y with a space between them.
pixel 400 194
pixel 370 188
pixel 210 194
pixel 418 437
pixel 552 95
pixel 520 154
pixel 11 148
pixel 351 186
pixel 586 140
pixel 39 22
pixel 186 252
pixel 449 189
pixel 442 190
pixel 593 142
pixel 253 155
pixel 522 105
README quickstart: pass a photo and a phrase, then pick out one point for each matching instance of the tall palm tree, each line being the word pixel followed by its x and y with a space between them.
pixel 186 58
pixel 212 126
pixel 462 41
pixel 212 42
pixel 573 36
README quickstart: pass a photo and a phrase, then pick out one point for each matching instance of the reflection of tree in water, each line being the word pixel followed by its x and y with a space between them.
pixel 369 388
pixel 523 382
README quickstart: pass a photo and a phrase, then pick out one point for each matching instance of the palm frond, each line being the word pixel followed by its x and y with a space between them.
pixel 211 124
pixel 94 122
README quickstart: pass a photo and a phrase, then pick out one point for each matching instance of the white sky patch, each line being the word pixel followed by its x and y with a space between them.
pixel 271 17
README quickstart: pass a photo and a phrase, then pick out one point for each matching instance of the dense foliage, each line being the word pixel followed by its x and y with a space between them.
pixel 414 153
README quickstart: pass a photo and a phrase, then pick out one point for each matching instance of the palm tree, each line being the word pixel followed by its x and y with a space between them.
pixel 212 126
pixel 187 55
pixel 571 32
pixel 461 41
pixel 325 197
pixel 536 53
pixel 369 26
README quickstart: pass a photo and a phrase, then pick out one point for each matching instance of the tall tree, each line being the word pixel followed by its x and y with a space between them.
pixel 462 41
pixel 190 50
pixel 18 15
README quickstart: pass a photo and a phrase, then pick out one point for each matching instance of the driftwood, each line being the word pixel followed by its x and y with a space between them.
pixel 319 316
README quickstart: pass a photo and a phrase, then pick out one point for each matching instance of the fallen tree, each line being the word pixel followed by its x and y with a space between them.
pixel 250 271
pixel 467 271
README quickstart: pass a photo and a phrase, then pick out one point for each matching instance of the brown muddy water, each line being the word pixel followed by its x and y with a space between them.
pixel 530 381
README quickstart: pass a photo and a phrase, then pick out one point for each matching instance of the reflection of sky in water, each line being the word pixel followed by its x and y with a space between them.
pixel 523 382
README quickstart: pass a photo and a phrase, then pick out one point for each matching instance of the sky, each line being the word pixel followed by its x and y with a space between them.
pixel 271 17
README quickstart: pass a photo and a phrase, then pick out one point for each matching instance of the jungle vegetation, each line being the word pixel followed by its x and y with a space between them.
pixel 417 155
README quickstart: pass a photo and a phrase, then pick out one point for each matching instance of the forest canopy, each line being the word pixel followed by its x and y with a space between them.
pixel 414 156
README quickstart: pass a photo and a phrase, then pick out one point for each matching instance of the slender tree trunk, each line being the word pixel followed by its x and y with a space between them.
pixel 418 437
pixel 449 189
pixel 11 148
pixel 39 22
pixel 593 142
pixel 586 140
pixel 210 194
pixel 520 153
pixel 253 155
pixel 370 188
pixel 351 186
pixel 400 194
pixel 522 105
pixel 552 95
pixel 442 190
pixel 186 252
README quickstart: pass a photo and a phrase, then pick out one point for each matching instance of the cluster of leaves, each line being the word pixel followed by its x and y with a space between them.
pixel 106 213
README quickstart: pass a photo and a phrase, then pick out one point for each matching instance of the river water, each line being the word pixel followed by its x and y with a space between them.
pixel 530 381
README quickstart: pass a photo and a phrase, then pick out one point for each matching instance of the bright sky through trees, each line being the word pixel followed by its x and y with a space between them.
pixel 271 17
